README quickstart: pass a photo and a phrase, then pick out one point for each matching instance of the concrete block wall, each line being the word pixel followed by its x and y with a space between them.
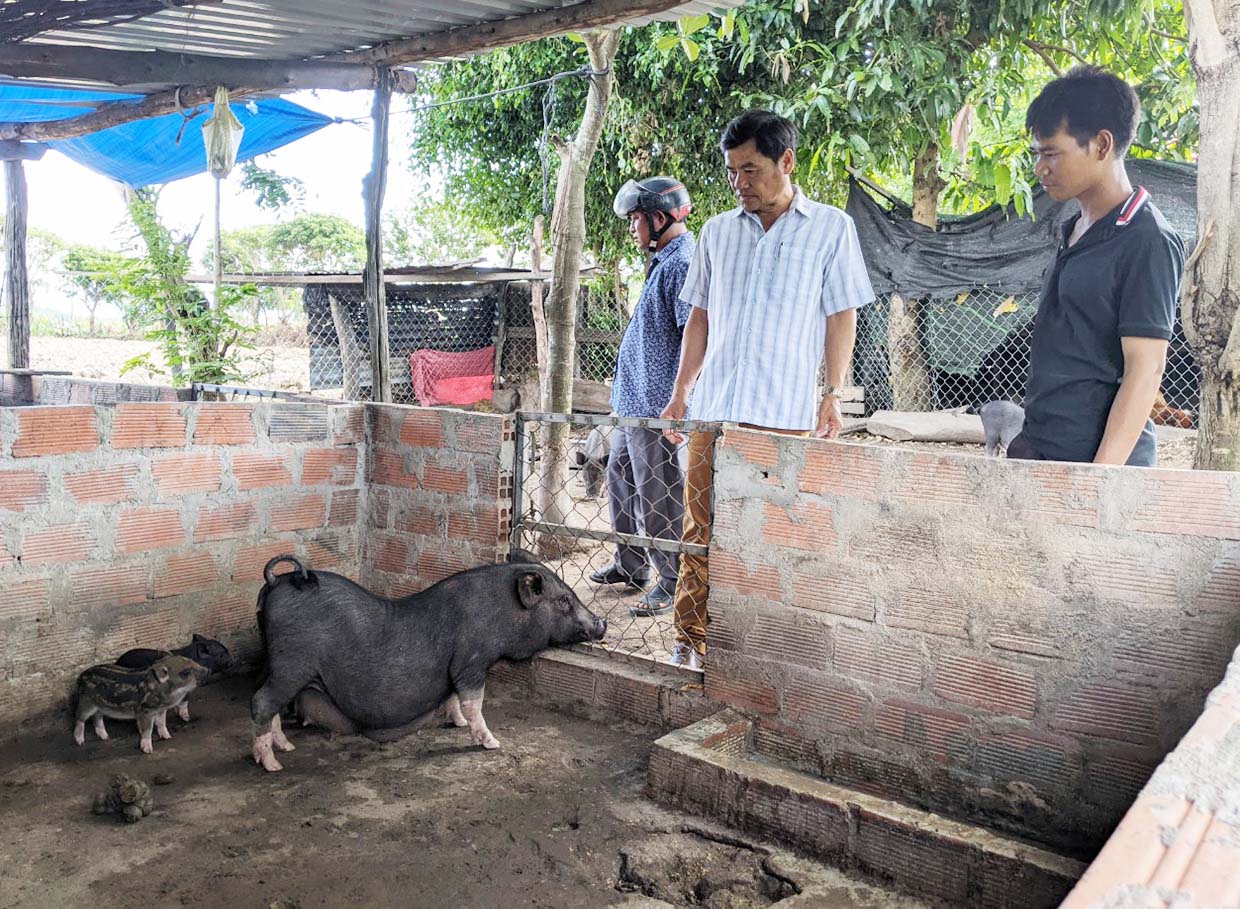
pixel 136 524
pixel 1015 643
pixel 439 495
pixel 25 388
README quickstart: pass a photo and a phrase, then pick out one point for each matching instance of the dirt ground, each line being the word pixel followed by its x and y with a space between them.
pixel 555 818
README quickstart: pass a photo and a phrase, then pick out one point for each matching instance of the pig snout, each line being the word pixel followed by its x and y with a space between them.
pixel 593 627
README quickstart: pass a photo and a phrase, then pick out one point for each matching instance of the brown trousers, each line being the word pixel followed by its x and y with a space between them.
pixel 693 585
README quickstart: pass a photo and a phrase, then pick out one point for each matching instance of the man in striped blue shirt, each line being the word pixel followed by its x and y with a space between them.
pixel 775 285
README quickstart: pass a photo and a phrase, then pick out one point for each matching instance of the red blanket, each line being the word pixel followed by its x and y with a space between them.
pixel 440 377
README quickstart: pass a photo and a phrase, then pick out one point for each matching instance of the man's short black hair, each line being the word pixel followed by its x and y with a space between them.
pixel 771 133
pixel 1084 102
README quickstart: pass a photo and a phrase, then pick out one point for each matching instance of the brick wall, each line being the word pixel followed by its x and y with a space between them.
pixel 136 524
pixel 439 493
pixel 1012 642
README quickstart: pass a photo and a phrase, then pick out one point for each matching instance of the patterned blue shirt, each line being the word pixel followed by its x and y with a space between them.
pixel 650 352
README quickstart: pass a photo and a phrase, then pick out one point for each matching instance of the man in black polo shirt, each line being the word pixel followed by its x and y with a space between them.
pixel 1109 300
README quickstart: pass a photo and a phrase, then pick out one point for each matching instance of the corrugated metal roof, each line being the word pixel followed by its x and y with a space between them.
pixel 298 29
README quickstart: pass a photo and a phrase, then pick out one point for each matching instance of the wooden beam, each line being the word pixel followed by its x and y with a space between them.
pixel 373 188
pixel 471 39
pixel 160 68
pixel 114 113
pixel 16 281
pixel 22 19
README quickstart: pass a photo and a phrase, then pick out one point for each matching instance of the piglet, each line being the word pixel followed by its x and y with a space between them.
pixel 145 695
pixel 1002 421
pixel 203 651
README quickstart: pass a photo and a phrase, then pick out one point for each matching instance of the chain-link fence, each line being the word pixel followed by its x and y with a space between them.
pixel 966 350
pixel 602 501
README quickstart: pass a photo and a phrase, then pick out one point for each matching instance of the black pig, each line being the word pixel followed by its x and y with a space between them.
pixel 203 651
pixel 385 664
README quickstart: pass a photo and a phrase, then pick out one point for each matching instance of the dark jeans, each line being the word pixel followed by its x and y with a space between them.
pixel 645 488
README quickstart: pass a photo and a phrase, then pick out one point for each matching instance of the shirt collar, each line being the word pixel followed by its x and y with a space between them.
pixel 670 247
pixel 800 205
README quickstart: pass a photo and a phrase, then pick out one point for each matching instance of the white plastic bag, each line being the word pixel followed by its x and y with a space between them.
pixel 221 134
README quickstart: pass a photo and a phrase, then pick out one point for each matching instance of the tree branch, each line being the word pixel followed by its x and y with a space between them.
pixel 1042 47
pixel 1207 45
pixel 1047 58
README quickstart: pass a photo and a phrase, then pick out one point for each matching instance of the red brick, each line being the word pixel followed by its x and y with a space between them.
pixel 563 682
pixel 808 527
pixel 21 489
pixel 758 448
pixel 25 601
pixel 422 429
pixel 1031 636
pixel 62 543
pixel 186 573
pixel 1222 587
pixel 260 471
pixel 941 733
pixel 727 571
pixel 844 591
pixel 840 468
pixel 444 479
pixel 225 522
pixel 421 520
pixel 143 529
pixel 923 861
pixel 337 466
pixel 1118 778
pixel 224 424
pixel 929 609
pixel 55 430
pixel 392 555
pixel 784 637
pixel 1162 647
pixel 1066 495
pixel 723 632
pixel 148 426
pixel 186 473
pixel 1135 577
pixel 863 655
pixel 785 743
pixel 250 560
pixel 1110 712
pixel 6 557
pixel 160 629
pixel 893 542
pixel 113 585
pixel 936 480
pixel 48 644
pixel 344 507
pixel 301 513
pixel 106 486
pixel 349 424
pixel 627 698
pixel 385 422
pixel 330 554
pixel 388 469
pixel 479 434
pixel 231 611
pixel 1196 503
pixel 823 703
pixel 435 565
pixel 994 687
pixel 492 482
pixel 739 692
pixel 479 525
pixel 1020 755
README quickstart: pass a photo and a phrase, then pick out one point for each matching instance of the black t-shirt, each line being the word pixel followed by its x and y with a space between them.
pixel 1121 279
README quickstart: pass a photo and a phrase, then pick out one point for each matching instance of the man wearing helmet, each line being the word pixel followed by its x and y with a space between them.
pixel 645 484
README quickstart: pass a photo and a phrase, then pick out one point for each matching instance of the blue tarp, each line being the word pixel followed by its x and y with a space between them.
pixel 147 151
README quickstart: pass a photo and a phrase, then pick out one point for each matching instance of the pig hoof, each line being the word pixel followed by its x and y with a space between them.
pixel 102 735
pixel 459 722
pixel 165 734
pixel 263 754
pixel 183 712
pixel 79 738
pixel 146 746
pixel 489 742
pixel 284 744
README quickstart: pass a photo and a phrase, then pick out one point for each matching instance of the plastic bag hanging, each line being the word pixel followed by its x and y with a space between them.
pixel 221 134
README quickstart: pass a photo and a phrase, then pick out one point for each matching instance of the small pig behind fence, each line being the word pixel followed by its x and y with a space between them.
pixel 145 695
pixel 203 651
pixel 1002 421
pixel 380 666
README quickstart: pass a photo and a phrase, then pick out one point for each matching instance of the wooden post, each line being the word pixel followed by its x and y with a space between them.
pixel 16 280
pixel 540 316
pixel 376 292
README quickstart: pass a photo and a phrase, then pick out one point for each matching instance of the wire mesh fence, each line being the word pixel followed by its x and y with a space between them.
pixel 602 500
pixel 966 350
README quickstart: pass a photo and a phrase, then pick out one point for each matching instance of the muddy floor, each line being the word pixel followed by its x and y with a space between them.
pixel 555 818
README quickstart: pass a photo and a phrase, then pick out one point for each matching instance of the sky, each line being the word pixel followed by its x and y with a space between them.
pixel 84 207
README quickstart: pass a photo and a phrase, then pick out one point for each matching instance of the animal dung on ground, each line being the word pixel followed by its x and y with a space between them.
pixel 127 797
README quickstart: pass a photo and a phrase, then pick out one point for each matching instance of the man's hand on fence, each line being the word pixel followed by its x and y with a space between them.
pixel 830 419
pixel 675 410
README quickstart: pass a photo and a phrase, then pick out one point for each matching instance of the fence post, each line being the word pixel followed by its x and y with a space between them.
pixel 376 291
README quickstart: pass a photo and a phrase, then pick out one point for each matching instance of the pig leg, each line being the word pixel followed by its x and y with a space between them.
pixel 316 709
pixel 145 722
pixel 161 725
pixel 277 735
pixel 471 707
pixel 454 711
pixel 275 692
pixel 101 731
pixel 79 726
pixel 183 711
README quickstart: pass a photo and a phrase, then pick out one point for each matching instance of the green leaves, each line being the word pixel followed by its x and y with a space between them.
pixel 690 24
pixel 1003 184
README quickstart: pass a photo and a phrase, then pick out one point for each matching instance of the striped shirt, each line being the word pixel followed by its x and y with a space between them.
pixel 768 295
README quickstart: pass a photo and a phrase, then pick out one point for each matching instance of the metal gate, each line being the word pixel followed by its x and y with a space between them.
pixel 563 511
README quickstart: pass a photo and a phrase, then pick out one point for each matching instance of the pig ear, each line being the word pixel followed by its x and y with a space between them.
pixel 161 672
pixel 198 637
pixel 529 588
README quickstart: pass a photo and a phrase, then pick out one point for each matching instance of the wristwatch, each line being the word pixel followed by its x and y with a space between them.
pixel 831 392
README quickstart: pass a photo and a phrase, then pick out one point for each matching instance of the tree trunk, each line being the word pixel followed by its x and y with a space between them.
pixel 16 279
pixel 568 238
pixel 539 315
pixel 911 387
pixel 1210 298
pixel 351 356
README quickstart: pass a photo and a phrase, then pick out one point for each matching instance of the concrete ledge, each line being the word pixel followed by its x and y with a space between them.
pixel 707 768
pixel 594 686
